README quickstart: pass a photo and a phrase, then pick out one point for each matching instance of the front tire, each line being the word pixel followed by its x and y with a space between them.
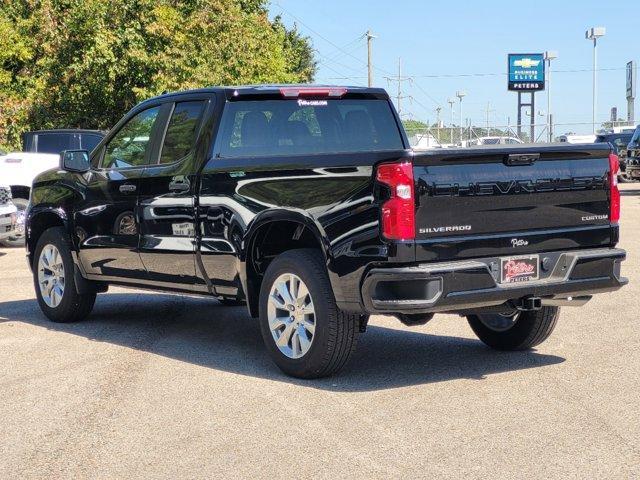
pixel 519 331
pixel 305 333
pixel 53 275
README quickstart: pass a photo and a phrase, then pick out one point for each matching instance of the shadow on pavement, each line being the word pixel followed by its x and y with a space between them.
pixel 630 192
pixel 205 333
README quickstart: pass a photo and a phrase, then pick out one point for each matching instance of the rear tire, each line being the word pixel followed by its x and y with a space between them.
pixel 523 331
pixel 312 345
pixel 62 303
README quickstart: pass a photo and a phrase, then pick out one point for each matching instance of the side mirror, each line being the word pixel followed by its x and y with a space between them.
pixel 75 161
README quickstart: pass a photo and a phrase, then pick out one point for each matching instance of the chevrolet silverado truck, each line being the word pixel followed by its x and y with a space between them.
pixel 306 204
pixel 40 152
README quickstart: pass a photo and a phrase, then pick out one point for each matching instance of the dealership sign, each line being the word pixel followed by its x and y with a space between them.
pixel 526 72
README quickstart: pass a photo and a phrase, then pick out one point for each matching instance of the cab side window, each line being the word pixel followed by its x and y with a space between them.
pixel 129 147
pixel 182 131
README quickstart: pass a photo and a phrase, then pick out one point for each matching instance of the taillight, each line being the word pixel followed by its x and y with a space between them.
pixel 614 192
pixel 398 212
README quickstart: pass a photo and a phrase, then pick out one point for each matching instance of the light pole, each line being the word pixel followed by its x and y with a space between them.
pixel 594 34
pixel 461 94
pixel 451 102
pixel 548 56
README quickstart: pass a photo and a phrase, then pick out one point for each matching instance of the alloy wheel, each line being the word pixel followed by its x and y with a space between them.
pixel 291 315
pixel 51 278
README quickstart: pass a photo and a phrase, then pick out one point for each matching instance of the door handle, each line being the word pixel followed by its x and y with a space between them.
pixel 127 188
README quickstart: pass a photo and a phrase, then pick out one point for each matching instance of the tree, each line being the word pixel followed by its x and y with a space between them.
pixel 84 63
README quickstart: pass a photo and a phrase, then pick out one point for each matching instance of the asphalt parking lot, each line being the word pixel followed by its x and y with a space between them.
pixel 161 386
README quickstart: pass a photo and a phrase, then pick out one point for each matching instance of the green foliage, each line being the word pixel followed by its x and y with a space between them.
pixel 84 63
pixel 413 126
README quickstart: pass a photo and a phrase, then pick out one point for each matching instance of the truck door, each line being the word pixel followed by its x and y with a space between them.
pixel 106 220
pixel 167 199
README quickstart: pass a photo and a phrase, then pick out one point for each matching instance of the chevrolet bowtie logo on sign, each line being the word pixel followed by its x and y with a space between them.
pixel 526 63
pixel 526 72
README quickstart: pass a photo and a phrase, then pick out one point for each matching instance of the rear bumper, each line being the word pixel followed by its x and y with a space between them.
pixel 472 284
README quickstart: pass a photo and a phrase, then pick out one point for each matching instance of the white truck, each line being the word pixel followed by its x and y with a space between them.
pixel 41 152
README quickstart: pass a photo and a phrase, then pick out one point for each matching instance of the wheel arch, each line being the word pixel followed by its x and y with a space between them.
pixel 38 222
pixel 271 234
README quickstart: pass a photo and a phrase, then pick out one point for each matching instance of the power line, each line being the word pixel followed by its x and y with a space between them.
pixel 495 74
pixel 357 43
pixel 426 94
pixel 325 38
pixel 426 109
pixel 335 62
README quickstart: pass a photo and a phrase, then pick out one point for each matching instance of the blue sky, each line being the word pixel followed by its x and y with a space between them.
pixel 437 38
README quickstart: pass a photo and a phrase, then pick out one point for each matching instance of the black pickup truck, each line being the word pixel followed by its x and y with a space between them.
pixel 307 204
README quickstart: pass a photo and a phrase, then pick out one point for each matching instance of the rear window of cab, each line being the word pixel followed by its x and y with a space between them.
pixel 290 127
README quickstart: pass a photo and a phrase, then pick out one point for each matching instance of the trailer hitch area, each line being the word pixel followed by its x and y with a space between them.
pixel 527 304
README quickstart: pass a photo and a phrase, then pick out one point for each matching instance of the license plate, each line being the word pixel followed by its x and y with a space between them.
pixel 519 269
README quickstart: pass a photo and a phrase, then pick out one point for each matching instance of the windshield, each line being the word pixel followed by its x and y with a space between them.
pixel 287 127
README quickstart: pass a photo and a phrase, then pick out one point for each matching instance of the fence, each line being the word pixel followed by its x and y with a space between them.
pixel 456 135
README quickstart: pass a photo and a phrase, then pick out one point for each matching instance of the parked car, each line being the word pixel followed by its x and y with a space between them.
pixel 41 152
pixel 307 204
pixel 496 140
pixel 633 156
pixel 619 143
pixel 7 213
pixel 572 138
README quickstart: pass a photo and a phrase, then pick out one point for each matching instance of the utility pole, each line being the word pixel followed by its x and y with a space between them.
pixel 451 103
pixel 488 111
pixel 370 37
pixel 399 79
pixel 438 110
pixel 461 94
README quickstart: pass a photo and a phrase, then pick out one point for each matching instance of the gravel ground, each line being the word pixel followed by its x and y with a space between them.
pixel 160 386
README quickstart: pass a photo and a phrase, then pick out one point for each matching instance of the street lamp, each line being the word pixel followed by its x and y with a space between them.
pixel 461 94
pixel 451 102
pixel 548 56
pixel 594 34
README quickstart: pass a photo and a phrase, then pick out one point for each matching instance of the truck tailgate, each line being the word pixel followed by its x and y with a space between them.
pixel 511 200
